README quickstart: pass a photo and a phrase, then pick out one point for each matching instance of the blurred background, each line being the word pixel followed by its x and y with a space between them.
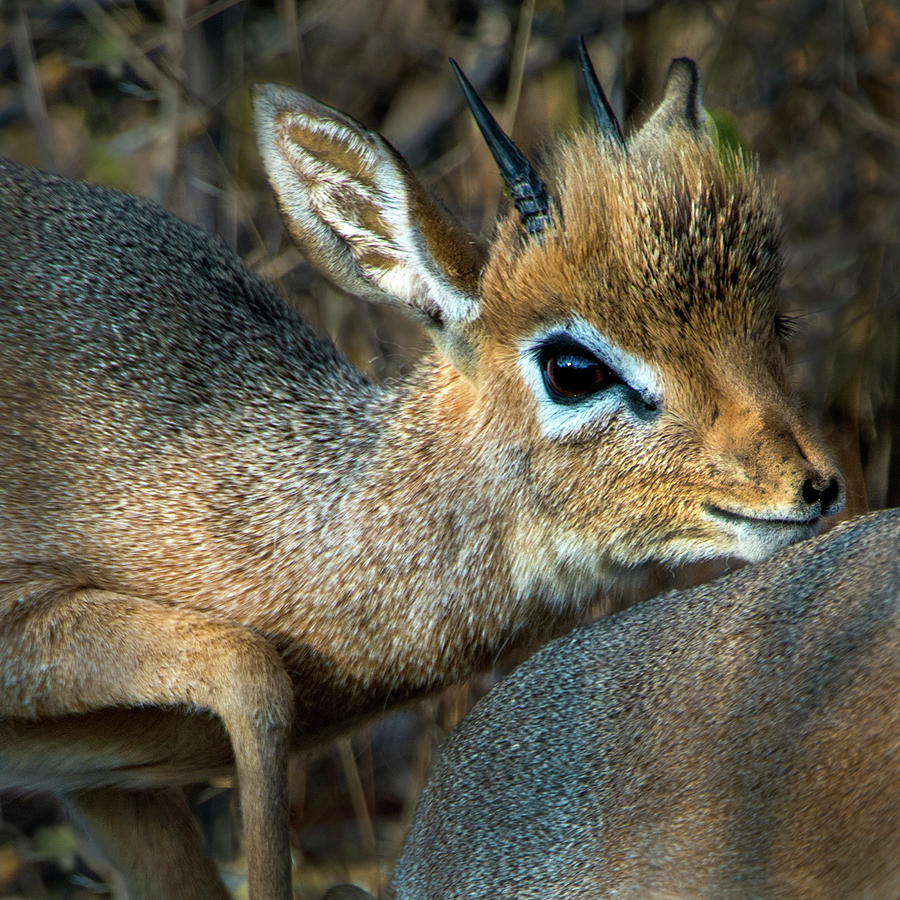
pixel 152 98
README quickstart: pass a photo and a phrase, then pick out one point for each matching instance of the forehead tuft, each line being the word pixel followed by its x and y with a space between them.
pixel 664 239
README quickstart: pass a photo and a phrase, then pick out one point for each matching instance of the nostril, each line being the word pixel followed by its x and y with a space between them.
pixel 825 496
pixel 811 494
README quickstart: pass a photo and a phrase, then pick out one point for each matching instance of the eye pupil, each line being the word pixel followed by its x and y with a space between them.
pixel 571 375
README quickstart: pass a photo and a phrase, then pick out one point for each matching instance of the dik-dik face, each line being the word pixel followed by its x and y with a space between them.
pixel 620 341
pixel 643 339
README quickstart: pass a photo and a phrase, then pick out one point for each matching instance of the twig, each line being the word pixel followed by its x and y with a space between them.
pixel 137 59
pixel 513 93
pixel 867 118
pixel 517 66
pixel 170 103
pixel 32 95
pixel 357 795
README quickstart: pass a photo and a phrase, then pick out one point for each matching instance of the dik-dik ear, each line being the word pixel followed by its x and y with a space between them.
pixel 680 109
pixel 361 216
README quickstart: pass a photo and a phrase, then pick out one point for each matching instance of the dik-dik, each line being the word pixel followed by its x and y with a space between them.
pixel 219 541
pixel 739 740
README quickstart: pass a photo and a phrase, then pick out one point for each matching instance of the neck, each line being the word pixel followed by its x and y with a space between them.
pixel 405 581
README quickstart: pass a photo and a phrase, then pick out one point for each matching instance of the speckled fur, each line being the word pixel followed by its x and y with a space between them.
pixel 741 739
pixel 205 508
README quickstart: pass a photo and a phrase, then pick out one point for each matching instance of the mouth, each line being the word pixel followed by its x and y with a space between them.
pixel 776 522
pixel 755 537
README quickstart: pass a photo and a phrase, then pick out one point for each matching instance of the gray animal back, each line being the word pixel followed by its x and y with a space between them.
pixel 160 401
pixel 126 296
pixel 529 799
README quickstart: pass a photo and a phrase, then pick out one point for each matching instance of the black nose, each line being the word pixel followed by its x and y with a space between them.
pixel 825 496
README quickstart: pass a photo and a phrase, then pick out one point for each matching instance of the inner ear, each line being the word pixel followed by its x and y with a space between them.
pixel 360 215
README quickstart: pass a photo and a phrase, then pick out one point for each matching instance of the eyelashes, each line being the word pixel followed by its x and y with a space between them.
pixel 579 376
pixel 785 326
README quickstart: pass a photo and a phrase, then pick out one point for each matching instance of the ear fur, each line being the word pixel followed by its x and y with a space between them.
pixel 680 109
pixel 359 214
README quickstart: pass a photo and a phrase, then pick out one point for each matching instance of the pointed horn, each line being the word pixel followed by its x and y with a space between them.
pixel 527 190
pixel 604 116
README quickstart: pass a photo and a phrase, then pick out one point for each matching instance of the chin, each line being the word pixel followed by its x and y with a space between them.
pixel 758 544
pixel 751 541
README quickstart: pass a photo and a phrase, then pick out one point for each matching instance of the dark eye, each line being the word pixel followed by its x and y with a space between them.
pixel 571 372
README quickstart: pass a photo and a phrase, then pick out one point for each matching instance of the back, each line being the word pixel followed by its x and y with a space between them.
pixel 146 370
pixel 171 306
pixel 739 739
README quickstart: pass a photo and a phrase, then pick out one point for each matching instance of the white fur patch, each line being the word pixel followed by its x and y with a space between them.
pixel 559 569
pixel 562 420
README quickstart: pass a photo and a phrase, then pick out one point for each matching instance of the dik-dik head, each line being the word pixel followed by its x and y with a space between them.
pixel 618 346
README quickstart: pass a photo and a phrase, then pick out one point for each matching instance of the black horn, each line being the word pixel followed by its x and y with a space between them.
pixel 528 192
pixel 604 116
